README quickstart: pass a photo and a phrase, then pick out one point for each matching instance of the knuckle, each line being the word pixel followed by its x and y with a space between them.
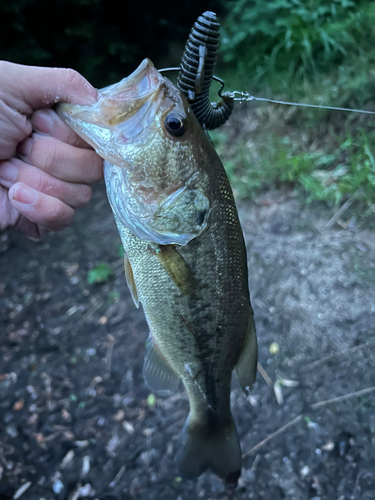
pixel 59 216
pixel 56 213
pixel 98 167
pixel 85 194
pixel 74 79
pixel 24 127
pixel 39 180
pixel 43 154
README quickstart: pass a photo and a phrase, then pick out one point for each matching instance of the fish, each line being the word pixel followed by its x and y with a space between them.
pixel 185 255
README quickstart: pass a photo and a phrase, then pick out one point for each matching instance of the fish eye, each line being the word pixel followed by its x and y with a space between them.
pixel 175 124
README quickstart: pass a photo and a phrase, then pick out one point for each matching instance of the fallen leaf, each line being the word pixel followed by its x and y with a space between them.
pixel 18 405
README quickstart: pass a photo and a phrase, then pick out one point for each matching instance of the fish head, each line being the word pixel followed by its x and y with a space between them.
pixel 153 148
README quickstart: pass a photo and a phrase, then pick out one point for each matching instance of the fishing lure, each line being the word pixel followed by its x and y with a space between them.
pixel 196 73
pixel 195 76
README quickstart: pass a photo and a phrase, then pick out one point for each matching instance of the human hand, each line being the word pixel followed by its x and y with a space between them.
pixel 45 168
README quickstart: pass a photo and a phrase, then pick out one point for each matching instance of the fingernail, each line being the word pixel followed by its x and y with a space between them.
pixel 42 122
pixel 24 147
pixel 23 194
pixel 8 174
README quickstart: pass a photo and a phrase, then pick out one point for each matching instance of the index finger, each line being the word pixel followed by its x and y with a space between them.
pixel 27 88
pixel 47 121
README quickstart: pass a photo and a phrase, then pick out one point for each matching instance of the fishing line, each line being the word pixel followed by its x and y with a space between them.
pixel 246 97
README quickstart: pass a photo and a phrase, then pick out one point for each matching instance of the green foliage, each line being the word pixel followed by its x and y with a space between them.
pixel 120 251
pixel 347 170
pixel 316 51
pixel 113 297
pixel 354 173
pixel 296 39
pixel 100 273
pixel 151 400
pixel 102 40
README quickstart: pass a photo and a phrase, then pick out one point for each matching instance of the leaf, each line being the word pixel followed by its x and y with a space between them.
pixel 100 273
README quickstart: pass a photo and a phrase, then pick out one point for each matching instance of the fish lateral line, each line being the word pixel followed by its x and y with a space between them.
pixel 191 330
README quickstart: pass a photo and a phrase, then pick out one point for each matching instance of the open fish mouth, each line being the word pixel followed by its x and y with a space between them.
pixel 123 110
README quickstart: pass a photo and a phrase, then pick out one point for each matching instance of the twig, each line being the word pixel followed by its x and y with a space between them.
pixel 21 490
pixel 274 434
pixel 92 309
pixel 320 361
pixel 117 477
pixel 265 376
pixel 342 398
pixel 255 463
pixel 297 419
pixel 339 213
pixel 75 494
pixel 108 361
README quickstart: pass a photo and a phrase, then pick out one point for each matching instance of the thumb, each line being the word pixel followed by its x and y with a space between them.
pixel 31 87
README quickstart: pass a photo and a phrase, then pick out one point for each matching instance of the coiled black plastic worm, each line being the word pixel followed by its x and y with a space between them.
pixel 196 73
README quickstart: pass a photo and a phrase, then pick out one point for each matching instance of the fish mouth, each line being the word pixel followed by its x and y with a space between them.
pixel 138 85
pixel 123 111
pixel 122 100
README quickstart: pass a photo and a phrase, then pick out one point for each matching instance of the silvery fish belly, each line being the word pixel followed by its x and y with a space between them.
pixel 185 257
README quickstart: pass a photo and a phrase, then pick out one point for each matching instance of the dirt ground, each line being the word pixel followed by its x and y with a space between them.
pixel 77 421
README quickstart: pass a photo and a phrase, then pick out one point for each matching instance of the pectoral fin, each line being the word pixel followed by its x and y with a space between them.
pixel 246 367
pixel 130 281
pixel 158 375
pixel 177 269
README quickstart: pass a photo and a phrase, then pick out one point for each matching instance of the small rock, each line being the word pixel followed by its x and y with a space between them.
pixel 274 347
pixel 81 444
pixel 65 414
pixel 342 448
pixel 33 419
pixel 103 320
pixel 72 311
pixel 305 471
pixel 128 427
pixel 11 430
pixel 85 490
pixel 57 486
pixel 119 416
pixel 85 465
pixel 7 380
pixel 67 459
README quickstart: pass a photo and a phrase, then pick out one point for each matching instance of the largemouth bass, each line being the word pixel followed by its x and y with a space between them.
pixel 185 257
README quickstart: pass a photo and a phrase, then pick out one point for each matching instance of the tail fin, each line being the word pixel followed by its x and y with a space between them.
pixel 216 449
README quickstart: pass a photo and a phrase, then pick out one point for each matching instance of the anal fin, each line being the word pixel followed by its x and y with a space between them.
pixel 130 281
pixel 246 367
pixel 158 375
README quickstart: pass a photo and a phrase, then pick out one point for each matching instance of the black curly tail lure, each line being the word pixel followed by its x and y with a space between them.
pixel 196 73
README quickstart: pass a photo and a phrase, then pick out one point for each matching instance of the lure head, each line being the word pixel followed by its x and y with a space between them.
pixel 154 147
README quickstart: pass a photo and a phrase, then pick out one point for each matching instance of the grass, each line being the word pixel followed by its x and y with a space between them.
pixel 320 52
pixel 330 168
